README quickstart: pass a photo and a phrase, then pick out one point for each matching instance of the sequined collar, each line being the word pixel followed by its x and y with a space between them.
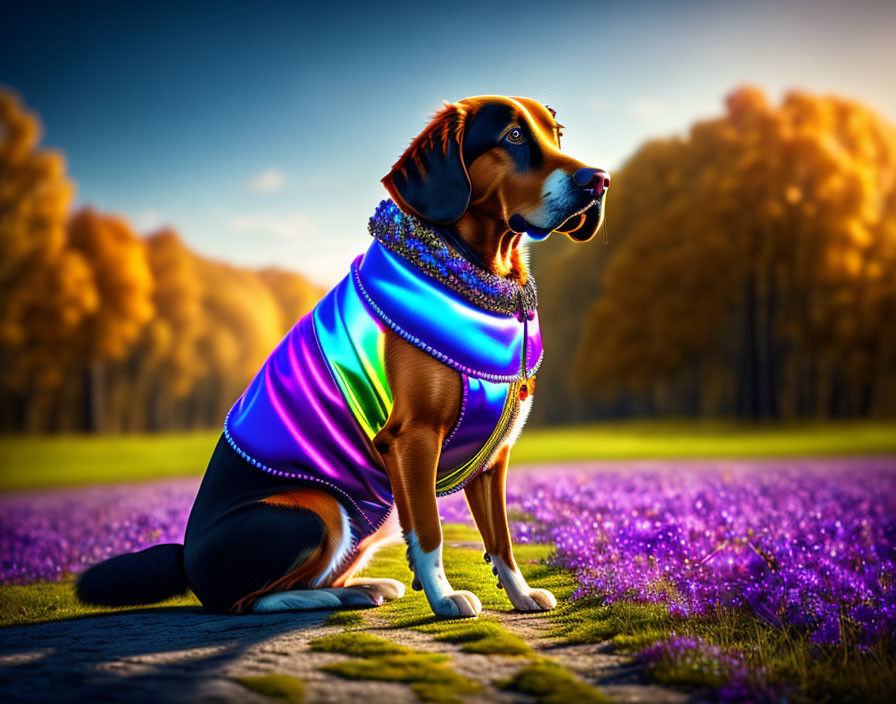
pixel 423 247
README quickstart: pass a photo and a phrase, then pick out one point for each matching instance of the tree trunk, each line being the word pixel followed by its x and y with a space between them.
pixel 748 387
pixel 94 378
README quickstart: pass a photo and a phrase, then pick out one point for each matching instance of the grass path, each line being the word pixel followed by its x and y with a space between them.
pixel 56 461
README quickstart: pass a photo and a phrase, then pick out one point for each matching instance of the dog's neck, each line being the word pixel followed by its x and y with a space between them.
pixel 496 245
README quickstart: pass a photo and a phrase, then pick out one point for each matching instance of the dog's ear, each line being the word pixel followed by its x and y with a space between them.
pixel 431 179
pixel 581 228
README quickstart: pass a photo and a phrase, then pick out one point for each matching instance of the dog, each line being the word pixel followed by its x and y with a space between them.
pixel 412 378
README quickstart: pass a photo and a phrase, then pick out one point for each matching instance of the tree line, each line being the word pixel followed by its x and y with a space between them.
pixel 750 273
pixel 104 330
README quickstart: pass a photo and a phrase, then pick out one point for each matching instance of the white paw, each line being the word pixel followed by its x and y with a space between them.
pixel 297 600
pixel 535 600
pixel 385 587
pixel 462 604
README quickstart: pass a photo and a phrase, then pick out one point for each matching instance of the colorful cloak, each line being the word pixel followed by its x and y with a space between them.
pixel 312 411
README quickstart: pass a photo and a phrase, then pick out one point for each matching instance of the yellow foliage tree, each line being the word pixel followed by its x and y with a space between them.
pixel 295 295
pixel 242 324
pixel 178 324
pixel 163 365
pixel 125 283
pixel 46 289
pixel 755 264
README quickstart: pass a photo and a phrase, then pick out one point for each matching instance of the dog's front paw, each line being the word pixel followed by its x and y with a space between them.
pixel 535 600
pixel 462 604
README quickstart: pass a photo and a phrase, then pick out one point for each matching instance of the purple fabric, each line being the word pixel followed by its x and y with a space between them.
pixel 293 422
pixel 479 415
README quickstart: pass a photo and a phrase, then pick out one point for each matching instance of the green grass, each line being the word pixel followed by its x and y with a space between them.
pixel 835 674
pixel 283 687
pixel 53 601
pixel 346 619
pixel 696 439
pixel 826 675
pixel 465 568
pixel 34 462
pixel 552 684
pixel 358 644
pixel 54 461
pixel 428 674
pixel 840 674
pixel 433 681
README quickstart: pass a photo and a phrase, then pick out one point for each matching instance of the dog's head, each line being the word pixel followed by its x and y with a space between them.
pixel 499 158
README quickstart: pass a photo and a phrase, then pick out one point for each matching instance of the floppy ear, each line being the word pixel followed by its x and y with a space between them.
pixel 431 179
pixel 582 228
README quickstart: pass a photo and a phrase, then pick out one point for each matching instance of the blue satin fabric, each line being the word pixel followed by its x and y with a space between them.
pixel 475 341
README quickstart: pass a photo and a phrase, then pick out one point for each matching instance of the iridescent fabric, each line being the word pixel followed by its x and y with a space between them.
pixel 313 409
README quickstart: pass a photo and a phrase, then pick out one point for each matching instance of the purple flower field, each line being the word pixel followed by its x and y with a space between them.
pixel 805 542
pixel 44 535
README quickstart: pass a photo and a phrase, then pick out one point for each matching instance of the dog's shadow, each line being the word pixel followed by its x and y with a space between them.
pixel 154 654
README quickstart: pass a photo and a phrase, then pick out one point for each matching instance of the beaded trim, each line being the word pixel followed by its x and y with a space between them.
pixel 422 246
pixel 417 342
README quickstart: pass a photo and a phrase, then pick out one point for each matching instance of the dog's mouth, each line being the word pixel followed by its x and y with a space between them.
pixel 567 224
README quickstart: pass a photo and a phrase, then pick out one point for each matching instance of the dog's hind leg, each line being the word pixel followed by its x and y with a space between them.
pixel 347 591
pixel 388 534
pixel 318 571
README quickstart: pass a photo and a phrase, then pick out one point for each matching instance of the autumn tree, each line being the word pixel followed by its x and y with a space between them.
pixel 213 325
pixel 755 267
pixel 242 324
pixel 124 283
pixel 294 294
pixel 163 364
pixel 46 289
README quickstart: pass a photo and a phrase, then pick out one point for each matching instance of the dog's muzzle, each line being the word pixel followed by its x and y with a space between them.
pixel 588 187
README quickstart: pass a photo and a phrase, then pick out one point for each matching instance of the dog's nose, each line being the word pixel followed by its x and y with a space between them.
pixel 593 180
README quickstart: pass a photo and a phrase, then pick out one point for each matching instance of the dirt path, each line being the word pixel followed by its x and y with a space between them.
pixel 185 655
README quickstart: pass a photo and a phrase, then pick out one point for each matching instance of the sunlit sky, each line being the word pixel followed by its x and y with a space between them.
pixel 261 131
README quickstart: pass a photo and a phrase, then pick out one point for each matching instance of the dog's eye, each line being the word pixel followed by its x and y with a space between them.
pixel 515 136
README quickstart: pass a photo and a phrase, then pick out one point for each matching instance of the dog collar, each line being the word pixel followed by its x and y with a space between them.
pixel 428 251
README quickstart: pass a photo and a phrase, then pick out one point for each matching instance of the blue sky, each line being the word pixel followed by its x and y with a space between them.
pixel 260 131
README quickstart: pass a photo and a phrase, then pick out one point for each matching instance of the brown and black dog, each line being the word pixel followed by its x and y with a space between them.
pixel 485 171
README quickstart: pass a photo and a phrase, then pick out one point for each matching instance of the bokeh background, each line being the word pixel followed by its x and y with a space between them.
pixel 179 182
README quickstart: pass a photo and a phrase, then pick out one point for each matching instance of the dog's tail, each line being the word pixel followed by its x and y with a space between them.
pixel 144 577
